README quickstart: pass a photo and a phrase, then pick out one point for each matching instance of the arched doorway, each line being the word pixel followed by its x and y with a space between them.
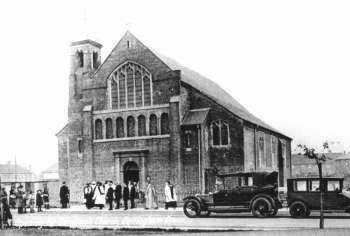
pixel 131 172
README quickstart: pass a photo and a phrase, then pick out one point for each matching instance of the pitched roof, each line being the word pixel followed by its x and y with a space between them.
pixel 214 91
pixel 202 84
pixel 299 159
pixel 197 116
pixel 51 169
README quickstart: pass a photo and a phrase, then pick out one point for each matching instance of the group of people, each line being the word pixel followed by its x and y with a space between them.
pixel 97 194
pixel 22 200
pixel 116 194
pixel 27 199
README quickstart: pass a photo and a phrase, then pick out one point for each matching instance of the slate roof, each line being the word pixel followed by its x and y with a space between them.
pixel 201 83
pixel 303 160
pixel 214 91
pixel 194 117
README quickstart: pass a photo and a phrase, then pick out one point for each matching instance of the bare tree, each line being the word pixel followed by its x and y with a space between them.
pixel 319 158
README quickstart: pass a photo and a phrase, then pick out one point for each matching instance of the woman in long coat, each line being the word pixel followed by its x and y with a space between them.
pixel 99 196
pixel 150 195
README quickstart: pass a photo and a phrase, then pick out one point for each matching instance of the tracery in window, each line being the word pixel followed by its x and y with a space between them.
pixel 220 133
pixel 130 86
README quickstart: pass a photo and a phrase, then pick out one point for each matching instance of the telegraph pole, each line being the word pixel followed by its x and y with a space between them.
pixel 1 210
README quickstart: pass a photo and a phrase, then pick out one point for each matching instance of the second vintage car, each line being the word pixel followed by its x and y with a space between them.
pixel 304 196
pixel 239 192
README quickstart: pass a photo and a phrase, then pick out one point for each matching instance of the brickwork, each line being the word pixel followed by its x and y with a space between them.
pixel 85 156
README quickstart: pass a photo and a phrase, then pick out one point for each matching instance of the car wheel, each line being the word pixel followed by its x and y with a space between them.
pixel 192 208
pixel 261 207
pixel 298 209
pixel 273 212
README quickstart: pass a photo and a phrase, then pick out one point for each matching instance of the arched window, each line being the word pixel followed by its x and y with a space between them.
pixel 109 128
pixel 132 86
pixel 95 62
pixel 141 120
pixel 80 55
pixel 153 130
pixel 120 128
pixel 164 123
pixel 80 146
pixel 220 133
pixel 98 129
pixel 131 126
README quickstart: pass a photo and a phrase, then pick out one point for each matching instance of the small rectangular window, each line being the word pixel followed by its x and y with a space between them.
pixel 333 186
pixel 300 186
pixel 315 186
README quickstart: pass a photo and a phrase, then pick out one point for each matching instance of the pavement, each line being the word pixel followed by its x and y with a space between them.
pixel 77 217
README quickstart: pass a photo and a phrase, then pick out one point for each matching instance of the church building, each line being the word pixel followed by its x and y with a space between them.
pixel 140 113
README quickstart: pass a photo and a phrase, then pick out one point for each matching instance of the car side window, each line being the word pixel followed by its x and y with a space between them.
pixel 300 186
pixel 333 185
pixel 250 181
pixel 315 186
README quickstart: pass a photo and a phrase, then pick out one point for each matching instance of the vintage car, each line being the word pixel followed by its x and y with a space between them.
pixel 304 196
pixel 239 192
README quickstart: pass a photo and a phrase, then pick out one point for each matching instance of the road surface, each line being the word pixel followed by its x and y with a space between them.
pixel 78 217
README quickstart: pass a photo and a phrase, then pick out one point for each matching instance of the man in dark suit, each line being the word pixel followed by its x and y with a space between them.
pixel 110 195
pixel 118 195
pixel 125 196
pixel 64 195
pixel 132 195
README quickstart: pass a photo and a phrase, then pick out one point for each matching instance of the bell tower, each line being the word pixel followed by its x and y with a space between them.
pixel 85 59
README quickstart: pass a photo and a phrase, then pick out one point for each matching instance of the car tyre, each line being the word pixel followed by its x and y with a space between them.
pixel 299 209
pixel 261 207
pixel 192 208
pixel 273 212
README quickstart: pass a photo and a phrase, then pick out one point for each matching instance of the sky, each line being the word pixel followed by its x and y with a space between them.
pixel 287 62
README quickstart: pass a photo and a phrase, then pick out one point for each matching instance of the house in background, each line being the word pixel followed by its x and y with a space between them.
pixel 342 164
pixel 49 179
pixel 14 175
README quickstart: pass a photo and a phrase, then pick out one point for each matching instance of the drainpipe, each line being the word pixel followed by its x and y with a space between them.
pixel 199 159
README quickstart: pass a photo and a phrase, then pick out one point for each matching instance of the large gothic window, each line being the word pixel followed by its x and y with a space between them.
pixel 98 129
pixel 141 120
pixel 153 130
pixel 220 133
pixel 120 128
pixel 164 123
pixel 130 86
pixel 131 126
pixel 109 128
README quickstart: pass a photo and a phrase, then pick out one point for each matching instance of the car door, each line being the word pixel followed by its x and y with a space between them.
pixel 221 198
pixel 331 195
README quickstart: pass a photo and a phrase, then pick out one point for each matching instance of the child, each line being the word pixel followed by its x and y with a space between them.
pixel 39 200
pixel 46 198
pixel 31 199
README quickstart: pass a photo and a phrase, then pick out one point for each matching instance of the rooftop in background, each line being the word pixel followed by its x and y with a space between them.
pixel 344 157
pixel 16 173
pixel 299 159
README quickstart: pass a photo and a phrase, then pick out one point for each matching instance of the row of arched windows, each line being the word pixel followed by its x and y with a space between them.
pixel 121 130
pixel 130 85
